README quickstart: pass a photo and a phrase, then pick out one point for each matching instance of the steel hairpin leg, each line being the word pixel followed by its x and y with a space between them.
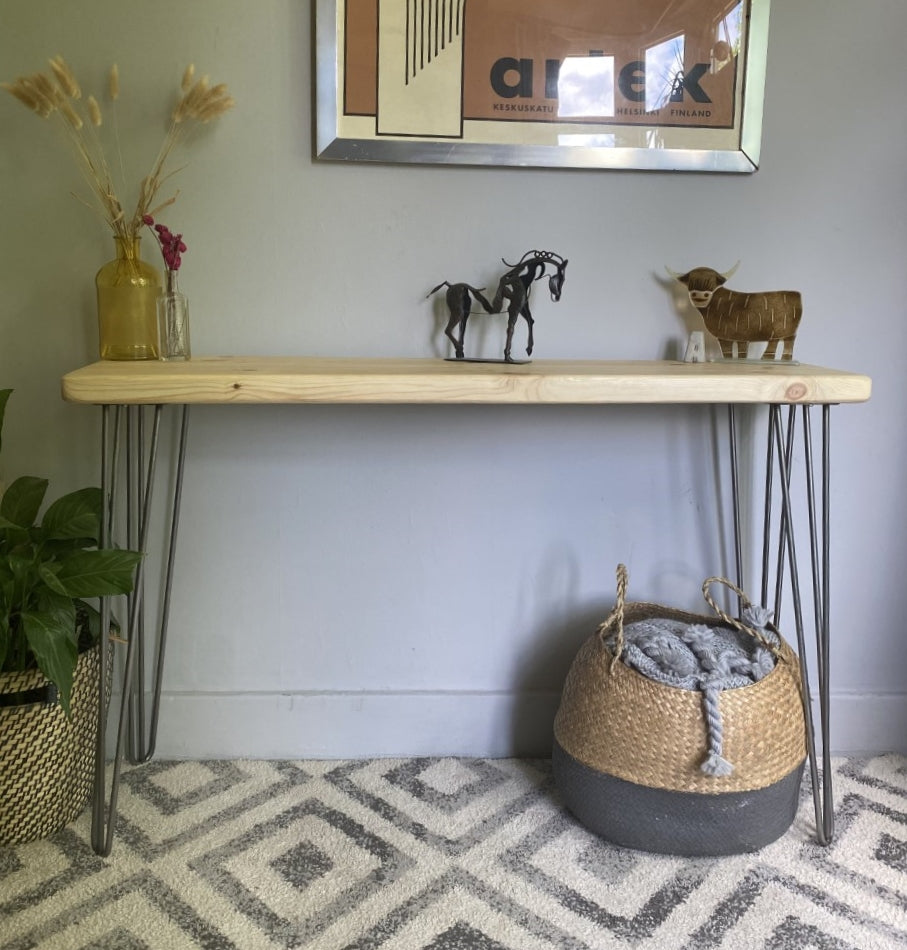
pixel 141 749
pixel 100 839
pixel 136 518
pixel 780 446
pixel 788 545
pixel 735 497
pixel 140 482
pixel 819 537
pixel 777 433
pixel 821 564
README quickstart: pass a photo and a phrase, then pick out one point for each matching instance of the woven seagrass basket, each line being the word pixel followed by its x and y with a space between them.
pixel 628 750
pixel 46 759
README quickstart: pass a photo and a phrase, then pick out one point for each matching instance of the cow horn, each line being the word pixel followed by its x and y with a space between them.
pixel 731 272
pixel 673 273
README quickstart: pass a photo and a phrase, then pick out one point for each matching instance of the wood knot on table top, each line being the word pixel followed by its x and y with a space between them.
pixel 796 391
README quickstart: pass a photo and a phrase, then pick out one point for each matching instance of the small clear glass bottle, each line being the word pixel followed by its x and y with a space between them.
pixel 173 320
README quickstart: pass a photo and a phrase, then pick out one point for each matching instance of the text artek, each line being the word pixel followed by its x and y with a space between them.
pixel 513 78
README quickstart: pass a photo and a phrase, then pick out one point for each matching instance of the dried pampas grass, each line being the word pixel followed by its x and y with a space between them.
pixel 59 94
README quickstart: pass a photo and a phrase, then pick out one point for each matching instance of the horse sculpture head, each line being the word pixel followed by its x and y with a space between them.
pixel 556 280
pixel 534 265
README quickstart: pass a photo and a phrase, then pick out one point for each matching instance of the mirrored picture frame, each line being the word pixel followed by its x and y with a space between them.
pixel 673 85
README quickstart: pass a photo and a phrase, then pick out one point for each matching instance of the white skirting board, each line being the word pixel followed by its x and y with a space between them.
pixel 353 725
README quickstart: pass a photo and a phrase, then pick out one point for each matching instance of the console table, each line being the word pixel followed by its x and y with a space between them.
pixel 128 391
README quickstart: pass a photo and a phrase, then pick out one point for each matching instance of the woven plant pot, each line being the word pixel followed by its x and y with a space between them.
pixel 46 759
pixel 628 750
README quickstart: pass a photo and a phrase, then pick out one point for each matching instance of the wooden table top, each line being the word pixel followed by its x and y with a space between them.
pixel 301 379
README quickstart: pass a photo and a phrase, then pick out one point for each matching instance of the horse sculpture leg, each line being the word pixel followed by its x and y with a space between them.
pixel 529 323
pixel 515 308
pixel 456 321
pixel 459 306
pixel 511 323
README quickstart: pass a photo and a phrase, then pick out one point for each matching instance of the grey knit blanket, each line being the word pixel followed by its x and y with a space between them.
pixel 700 657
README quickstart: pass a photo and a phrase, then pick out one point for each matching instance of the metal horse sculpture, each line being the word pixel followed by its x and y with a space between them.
pixel 513 287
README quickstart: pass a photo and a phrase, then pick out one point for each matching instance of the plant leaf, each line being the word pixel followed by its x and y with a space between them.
pixel 76 515
pixel 4 396
pixel 22 500
pixel 49 576
pixel 7 584
pixel 51 635
pixel 23 570
pixel 90 617
pixel 98 573
pixel 4 638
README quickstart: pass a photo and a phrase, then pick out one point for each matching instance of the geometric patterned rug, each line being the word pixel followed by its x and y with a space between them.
pixel 441 854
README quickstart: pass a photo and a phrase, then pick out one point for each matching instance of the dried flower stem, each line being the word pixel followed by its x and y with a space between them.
pixel 60 95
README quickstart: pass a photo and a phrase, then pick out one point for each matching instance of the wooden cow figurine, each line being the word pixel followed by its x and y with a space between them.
pixel 734 317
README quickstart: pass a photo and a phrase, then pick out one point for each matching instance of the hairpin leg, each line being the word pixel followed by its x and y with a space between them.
pixel 108 488
pixel 735 495
pixel 821 787
pixel 143 749
pixel 131 718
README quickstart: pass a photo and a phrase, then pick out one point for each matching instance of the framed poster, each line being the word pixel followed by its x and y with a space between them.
pixel 657 84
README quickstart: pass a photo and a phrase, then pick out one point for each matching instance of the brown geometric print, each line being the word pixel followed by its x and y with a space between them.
pixel 530 35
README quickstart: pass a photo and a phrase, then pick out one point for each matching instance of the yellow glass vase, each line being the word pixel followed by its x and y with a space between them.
pixel 128 289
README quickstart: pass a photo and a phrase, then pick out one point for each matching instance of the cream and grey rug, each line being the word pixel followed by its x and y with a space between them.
pixel 441 854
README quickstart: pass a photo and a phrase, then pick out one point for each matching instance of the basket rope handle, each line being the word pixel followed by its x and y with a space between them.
pixel 616 616
pixel 734 622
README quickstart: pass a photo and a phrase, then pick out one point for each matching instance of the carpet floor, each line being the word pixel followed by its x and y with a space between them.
pixel 441 854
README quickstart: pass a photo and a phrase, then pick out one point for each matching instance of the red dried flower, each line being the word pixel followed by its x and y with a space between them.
pixel 172 245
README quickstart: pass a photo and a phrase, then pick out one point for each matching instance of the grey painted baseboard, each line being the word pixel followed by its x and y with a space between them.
pixel 366 725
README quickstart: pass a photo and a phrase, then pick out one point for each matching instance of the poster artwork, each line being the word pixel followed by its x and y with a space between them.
pixel 427 68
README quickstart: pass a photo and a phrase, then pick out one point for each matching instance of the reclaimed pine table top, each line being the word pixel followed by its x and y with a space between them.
pixel 301 379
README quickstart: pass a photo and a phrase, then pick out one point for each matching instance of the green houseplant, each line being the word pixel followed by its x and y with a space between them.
pixel 50 651
pixel 46 569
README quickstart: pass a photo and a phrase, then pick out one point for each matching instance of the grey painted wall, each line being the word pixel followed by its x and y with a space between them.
pixel 366 581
